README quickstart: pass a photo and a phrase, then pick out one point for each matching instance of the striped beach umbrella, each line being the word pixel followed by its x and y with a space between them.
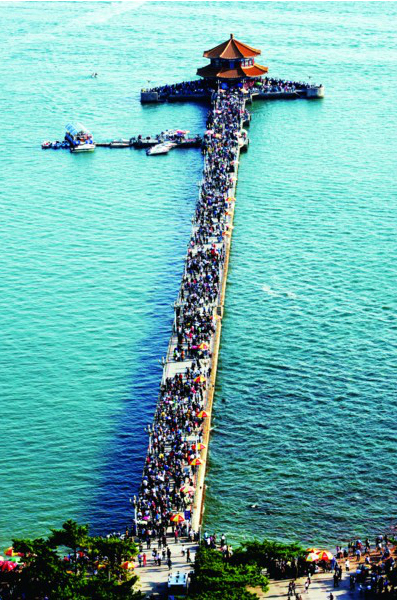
pixel 177 518
pixel 204 346
pixel 202 414
pixel 199 446
pixel 187 489
pixel 199 379
pixel 196 461
pixel 325 555
pixel 312 557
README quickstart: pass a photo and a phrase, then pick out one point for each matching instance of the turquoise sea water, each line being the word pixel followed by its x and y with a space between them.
pixel 92 255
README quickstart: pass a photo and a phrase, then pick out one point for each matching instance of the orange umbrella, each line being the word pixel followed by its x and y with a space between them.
pixel 199 446
pixel 177 518
pixel 196 461
pixel 202 414
pixel 199 379
pixel 324 555
pixel 127 565
pixel 231 199
pixel 10 552
pixel 203 346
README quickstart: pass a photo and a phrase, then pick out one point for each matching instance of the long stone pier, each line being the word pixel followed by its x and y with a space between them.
pixel 173 485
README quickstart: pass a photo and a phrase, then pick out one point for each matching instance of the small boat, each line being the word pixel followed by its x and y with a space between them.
pixel 56 145
pixel 120 144
pixel 141 142
pixel 79 138
pixel 163 148
pixel 45 145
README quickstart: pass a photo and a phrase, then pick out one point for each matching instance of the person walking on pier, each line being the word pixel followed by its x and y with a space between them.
pixel 169 563
pixel 188 559
pixel 144 559
pixel 183 396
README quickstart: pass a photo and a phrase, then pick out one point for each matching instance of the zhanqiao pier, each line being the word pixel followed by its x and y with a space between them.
pixel 171 500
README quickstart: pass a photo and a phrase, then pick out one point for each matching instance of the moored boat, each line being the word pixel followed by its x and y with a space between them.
pixel 120 144
pixel 79 138
pixel 163 148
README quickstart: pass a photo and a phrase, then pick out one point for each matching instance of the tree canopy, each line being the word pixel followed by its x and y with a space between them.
pixel 277 558
pixel 90 570
pixel 215 577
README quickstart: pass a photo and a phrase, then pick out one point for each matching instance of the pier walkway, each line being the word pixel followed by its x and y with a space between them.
pixel 170 504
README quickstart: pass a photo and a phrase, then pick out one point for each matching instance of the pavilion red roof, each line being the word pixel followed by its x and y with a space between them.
pixel 223 72
pixel 232 48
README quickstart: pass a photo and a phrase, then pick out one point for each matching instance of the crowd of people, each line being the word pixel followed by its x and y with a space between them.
pixel 271 85
pixel 202 87
pixel 170 472
pixel 206 87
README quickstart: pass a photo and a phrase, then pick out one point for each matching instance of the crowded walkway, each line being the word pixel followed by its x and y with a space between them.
pixel 205 87
pixel 169 483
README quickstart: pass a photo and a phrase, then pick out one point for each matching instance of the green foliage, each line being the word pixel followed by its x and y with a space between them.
pixel 46 574
pixel 280 560
pixel 263 553
pixel 215 577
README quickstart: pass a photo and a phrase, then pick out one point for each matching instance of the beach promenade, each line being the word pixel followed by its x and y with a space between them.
pixel 320 588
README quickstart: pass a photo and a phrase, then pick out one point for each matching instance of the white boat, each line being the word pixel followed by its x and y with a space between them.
pixel 79 138
pixel 160 148
pixel 83 147
pixel 120 143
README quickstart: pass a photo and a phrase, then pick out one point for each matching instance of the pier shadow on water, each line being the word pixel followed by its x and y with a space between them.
pixel 123 456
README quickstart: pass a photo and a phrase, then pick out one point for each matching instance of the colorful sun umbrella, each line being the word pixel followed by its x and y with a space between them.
pixel 324 555
pixel 177 518
pixel 199 446
pixel 204 346
pixel 127 565
pixel 199 379
pixel 10 552
pixel 312 557
pixel 196 461
pixel 187 489
pixel 8 565
pixel 202 414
